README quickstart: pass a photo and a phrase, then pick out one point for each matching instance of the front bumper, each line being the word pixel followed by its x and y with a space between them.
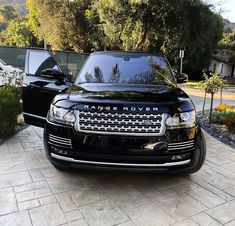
pixel 176 150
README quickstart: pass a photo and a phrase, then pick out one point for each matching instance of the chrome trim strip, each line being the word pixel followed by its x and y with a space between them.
pixel 61 143
pixel 120 164
pixel 180 148
pixel 35 116
pixel 59 138
pixel 185 142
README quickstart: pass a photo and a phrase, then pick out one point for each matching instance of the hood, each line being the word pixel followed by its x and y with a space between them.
pixel 160 95
pixel 132 93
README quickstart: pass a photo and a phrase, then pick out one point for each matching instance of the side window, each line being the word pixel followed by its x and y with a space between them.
pixel 1 69
pixel 222 69
pixel 214 68
pixel 39 60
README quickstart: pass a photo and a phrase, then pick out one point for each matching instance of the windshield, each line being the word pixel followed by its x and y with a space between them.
pixel 125 68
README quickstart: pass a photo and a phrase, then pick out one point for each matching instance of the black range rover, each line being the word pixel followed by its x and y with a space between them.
pixel 124 111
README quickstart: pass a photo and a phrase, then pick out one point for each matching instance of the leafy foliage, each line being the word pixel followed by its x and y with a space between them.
pixel 227 44
pixel 136 25
pixel 146 25
pixel 61 23
pixel 18 33
pixel 219 117
pixel 15 29
pixel 10 107
pixel 158 25
pixel 213 83
pixel 230 122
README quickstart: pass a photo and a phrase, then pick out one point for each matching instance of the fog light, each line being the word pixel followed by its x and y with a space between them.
pixel 59 151
pixel 177 157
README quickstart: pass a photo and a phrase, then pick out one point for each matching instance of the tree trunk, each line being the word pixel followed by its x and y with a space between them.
pixel 211 108
pixel 204 103
pixel 221 96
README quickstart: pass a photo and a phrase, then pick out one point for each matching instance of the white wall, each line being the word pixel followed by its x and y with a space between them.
pixel 227 69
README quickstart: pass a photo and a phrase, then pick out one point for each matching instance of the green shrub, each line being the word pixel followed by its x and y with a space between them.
pixel 219 117
pixel 230 123
pixel 10 107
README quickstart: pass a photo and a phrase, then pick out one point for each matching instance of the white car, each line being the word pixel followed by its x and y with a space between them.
pixel 8 68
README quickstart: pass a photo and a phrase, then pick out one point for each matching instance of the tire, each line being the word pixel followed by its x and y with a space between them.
pixel 199 158
pixel 201 148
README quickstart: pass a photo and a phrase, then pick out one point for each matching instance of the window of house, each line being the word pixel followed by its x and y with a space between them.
pixel 222 69
pixel 214 69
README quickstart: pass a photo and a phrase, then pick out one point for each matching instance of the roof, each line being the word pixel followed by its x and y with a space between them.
pixel 224 58
pixel 120 52
pixel 221 58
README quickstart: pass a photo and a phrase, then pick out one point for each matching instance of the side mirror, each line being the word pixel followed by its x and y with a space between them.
pixel 181 78
pixel 52 73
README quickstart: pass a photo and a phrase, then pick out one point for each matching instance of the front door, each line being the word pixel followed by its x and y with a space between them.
pixel 38 90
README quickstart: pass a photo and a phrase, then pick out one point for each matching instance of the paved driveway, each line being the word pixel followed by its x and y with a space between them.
pixel 32 192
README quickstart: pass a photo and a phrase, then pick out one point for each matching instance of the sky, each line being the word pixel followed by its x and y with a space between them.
pixel 228 8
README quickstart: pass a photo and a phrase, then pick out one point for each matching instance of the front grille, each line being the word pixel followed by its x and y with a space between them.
pixel 181 146
pixel 60 141
pixel 143 124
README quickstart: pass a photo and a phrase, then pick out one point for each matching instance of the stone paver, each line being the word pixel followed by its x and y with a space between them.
pixel 7 201
pixel 103 213
pixel 47 215
pixel 16 219
pixel 33 192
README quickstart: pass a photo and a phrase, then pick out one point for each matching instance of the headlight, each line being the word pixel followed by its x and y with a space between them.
pixel 61 115
pixel 181 120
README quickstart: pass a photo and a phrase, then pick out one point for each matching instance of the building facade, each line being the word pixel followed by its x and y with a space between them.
pixel 223 65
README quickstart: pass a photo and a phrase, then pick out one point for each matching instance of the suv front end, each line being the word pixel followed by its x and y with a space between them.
pixel 133 137
pixel 125 123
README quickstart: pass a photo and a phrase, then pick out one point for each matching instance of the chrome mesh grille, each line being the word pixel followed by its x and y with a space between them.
pixel 121 123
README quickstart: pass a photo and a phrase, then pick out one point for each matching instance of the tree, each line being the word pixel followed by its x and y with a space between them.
pixel 227 44
pixel 212 85
pixel 7 13
pixel 33 22
pixel 159 25
pixel 137 25
pixel 18 33
pixel 62 24
pixel 14 28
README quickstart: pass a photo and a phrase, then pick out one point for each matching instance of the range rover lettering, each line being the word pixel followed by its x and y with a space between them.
pixel 124 111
